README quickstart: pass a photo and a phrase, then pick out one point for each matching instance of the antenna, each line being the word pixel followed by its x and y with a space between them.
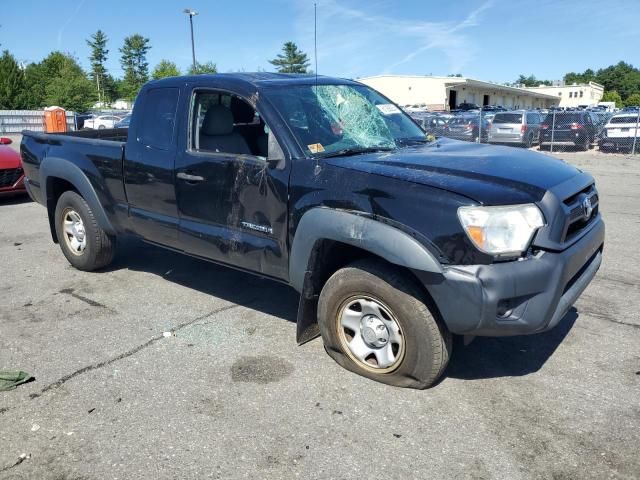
pixel 315 38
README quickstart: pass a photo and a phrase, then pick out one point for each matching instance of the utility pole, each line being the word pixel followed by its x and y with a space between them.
pixel 635 134
pixel 192 13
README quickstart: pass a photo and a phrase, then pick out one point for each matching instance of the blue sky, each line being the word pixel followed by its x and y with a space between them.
pixel 490 40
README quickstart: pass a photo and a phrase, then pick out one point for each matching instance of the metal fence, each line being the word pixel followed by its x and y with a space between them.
pixel 550 130
pixel 14 121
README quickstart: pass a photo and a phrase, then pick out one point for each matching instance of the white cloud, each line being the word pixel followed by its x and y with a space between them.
pixel 355 36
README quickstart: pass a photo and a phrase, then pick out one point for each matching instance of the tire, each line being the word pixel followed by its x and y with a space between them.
pixel 584 146
pixel 101 127
pixel 422 343
pixel 99 248
pixel 529 142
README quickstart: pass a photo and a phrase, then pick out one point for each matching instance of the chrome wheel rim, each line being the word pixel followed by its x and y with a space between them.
pixel 75 235
pixel 370 334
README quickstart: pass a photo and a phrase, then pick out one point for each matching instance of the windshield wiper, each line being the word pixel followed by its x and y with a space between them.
pixel 413 141
pixel 346 152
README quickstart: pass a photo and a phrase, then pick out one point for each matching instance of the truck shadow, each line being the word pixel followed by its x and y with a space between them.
pixel 492 357
pixel 485 357
pixel 231 285
pixel 17 199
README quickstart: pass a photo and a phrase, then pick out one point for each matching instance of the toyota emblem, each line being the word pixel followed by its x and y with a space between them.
pixel 587 208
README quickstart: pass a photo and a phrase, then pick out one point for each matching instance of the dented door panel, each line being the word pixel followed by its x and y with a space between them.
pixel 237 215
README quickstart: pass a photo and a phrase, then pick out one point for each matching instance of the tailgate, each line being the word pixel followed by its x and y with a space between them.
pixel 622 132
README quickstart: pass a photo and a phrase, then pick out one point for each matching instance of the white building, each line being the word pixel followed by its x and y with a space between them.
pixel 446 93
pixel 573 95
pixel 122 104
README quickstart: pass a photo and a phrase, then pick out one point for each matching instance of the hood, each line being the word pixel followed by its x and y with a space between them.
pixel 487 174
pixel 9 158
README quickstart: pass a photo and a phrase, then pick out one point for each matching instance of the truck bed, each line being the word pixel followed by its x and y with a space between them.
pixel 97 154
pixel 110 134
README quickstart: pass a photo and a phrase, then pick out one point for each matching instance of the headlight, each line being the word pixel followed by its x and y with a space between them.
pixel 503 231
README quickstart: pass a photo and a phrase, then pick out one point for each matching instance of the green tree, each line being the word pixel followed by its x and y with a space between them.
pixel 632 100
pixel 69 86
pixel 530 81
pixel 12 84
pixel 98 72
pixel 165 69
pixel 202 68
pixel 587 76
pixel 622 77
pixel 58 80
pixel 134 63
pixel 612 96
pixel 110 88
pixel 291 60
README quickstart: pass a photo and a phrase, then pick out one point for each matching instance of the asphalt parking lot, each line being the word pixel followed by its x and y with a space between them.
pixel 230 395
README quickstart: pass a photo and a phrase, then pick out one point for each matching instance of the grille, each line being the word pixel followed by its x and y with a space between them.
pixel 9 177
pixel 575 219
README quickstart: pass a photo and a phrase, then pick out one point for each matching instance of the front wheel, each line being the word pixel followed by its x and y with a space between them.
pixel 85 245
pixel 377 322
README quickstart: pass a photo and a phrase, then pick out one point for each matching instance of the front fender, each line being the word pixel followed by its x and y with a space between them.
pixel 385 241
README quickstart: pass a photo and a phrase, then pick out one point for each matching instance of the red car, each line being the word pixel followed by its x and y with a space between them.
pixel 11 173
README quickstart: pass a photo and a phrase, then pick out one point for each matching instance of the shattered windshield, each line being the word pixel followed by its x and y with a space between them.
pixel 330 119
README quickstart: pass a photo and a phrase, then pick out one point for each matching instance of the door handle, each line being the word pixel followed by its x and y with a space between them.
pixel 189 178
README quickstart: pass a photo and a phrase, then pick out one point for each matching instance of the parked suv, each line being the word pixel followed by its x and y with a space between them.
pixel 517 127
pixel 573 128
pixel 467 127
pixel 618 134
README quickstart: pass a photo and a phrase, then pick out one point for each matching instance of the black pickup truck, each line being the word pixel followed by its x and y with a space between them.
pixel 395 242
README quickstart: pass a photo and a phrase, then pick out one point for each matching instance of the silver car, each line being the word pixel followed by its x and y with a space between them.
pixel 518 126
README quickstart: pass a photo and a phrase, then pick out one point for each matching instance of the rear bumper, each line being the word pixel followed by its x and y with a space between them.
pixel 520 297
pixel 545 143
pixel 563 138
pixel 506 138
pixel 616 142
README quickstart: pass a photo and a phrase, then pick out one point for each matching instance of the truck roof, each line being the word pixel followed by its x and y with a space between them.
pixel 257 79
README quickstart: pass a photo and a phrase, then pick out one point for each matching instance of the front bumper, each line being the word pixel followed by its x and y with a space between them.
pixel 519 297
pixel 16 188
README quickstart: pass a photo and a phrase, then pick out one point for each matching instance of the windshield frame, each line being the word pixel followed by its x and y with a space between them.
pixel 268 92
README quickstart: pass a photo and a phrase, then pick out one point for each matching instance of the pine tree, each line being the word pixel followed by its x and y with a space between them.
pixel 134 63
pixel 98 57
pixel 12 84
pixel 291 60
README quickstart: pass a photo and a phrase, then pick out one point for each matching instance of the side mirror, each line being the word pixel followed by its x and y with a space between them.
pixel 275 155
pixel 5 141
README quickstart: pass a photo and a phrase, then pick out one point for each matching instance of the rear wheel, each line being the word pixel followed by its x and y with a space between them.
pixel 101 127
pixel 377 322
pixel 528 143
pixel 586 143
pixel 85 245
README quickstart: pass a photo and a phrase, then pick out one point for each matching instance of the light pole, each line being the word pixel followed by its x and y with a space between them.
pixel 192 13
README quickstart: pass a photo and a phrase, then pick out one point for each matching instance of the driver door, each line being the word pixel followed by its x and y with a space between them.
pixel 232 204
